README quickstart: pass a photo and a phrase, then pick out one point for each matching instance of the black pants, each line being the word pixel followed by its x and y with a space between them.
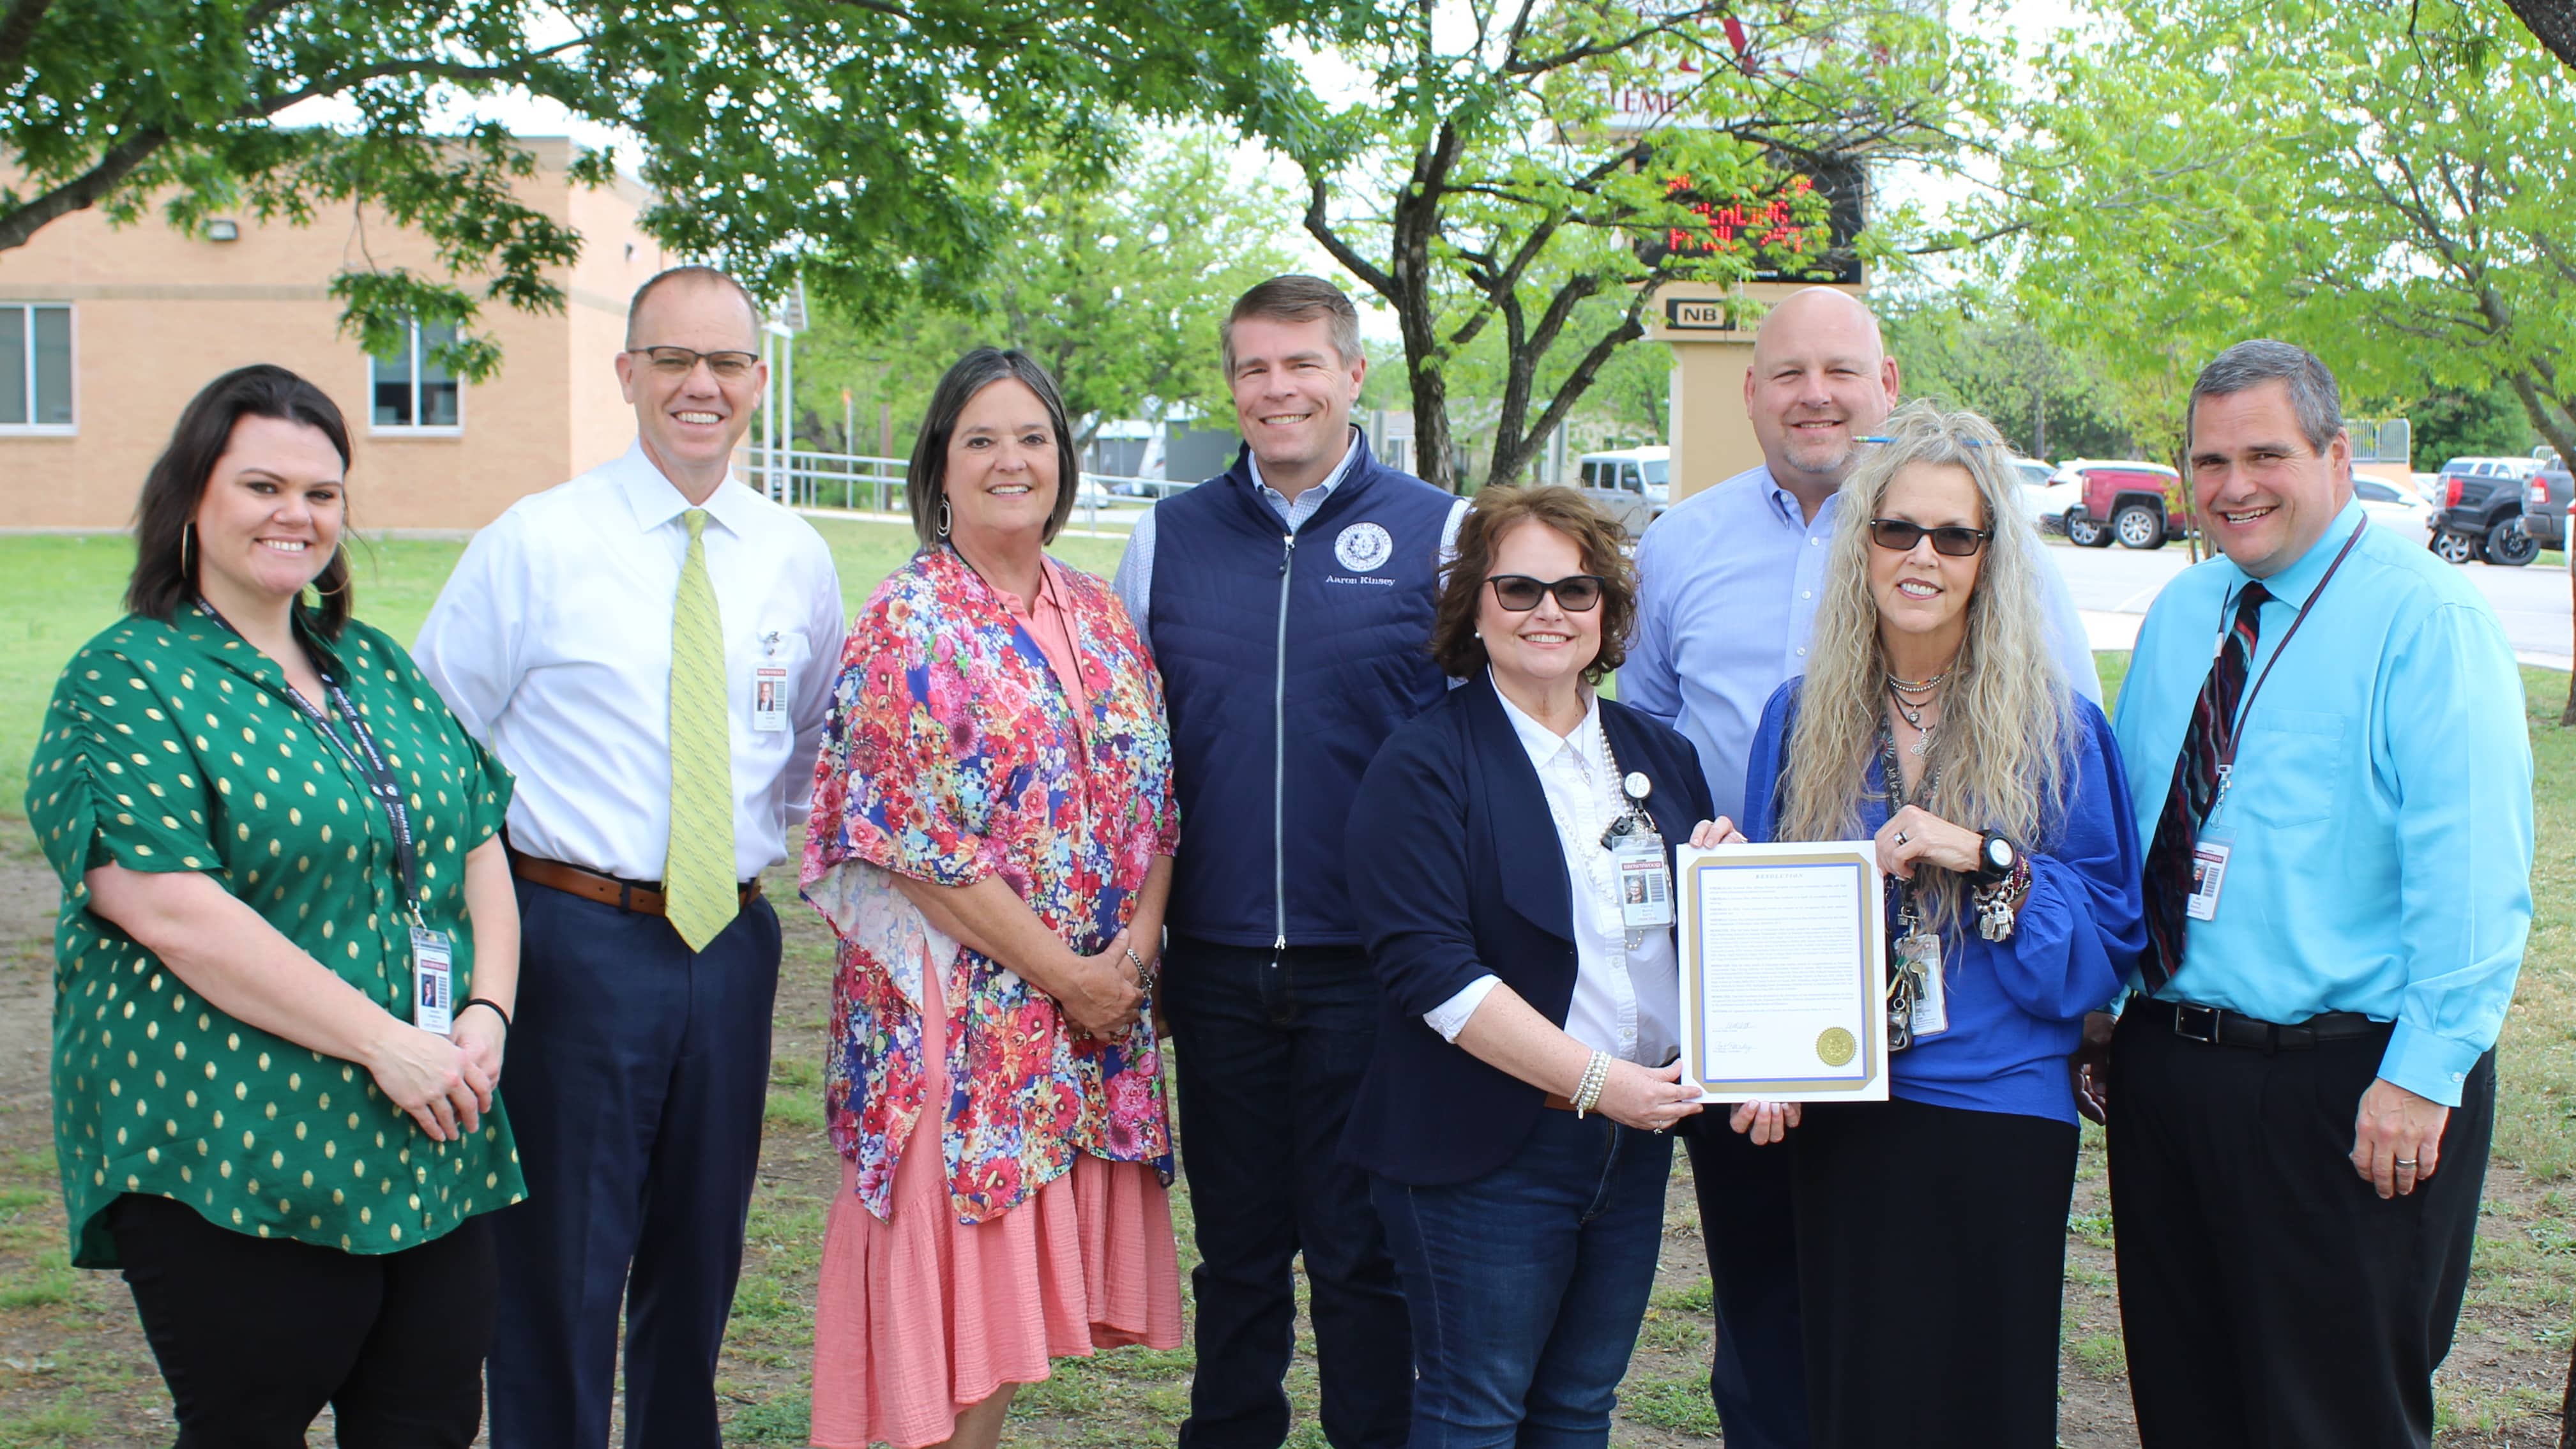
pixel 2270 1297
pixel 1270 1050
pixel 254 1335
pixel 1932 1255
pixel 1749 1228
pixel 638 1074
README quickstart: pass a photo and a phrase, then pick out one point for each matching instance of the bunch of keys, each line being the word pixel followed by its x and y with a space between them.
pixel 1917 999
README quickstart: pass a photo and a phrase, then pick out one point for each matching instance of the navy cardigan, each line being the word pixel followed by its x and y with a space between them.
pixel 1455 871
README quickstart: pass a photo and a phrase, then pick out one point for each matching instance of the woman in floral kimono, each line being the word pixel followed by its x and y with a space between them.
pixel 991 837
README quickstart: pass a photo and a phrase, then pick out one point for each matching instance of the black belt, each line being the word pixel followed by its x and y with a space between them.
pixel 2220 1027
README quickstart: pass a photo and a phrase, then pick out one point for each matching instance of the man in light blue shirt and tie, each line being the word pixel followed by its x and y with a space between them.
pixel 1727 587
pixel 2325 739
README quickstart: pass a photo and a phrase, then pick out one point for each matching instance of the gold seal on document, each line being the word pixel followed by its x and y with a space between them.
pixel 1835 1047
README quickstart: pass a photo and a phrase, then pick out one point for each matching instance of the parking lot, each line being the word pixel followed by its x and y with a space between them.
pixel 2114 587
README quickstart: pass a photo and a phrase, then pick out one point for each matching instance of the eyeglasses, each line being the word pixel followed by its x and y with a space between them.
pixel 1897 536
pixel 1519 593
pixel 681 361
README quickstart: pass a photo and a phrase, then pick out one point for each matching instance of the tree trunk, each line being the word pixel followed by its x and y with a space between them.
pixel 2567 720
pixel 2554 22
pixel 1434 460
pixel 2567 1410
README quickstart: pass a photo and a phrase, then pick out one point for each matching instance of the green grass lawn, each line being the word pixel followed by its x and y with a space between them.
pixel 57 591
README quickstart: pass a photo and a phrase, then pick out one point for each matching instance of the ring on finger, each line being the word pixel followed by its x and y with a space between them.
pixel 1900 837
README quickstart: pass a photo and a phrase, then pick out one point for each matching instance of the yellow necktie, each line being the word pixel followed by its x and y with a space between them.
pixel 698 888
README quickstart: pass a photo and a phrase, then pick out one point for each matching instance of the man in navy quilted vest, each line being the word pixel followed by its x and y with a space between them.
pixel 1288 604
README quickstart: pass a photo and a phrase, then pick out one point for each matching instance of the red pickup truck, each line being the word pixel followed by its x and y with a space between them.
pixel 2143 505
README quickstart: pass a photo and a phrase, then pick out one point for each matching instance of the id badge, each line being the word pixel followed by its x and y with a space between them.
pixel 1918 955
pixel 769 698
pixel 1645 882
pixel 433 980
pixel 2208 873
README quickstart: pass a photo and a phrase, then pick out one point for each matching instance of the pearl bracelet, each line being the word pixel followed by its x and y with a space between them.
pixel 1596 1074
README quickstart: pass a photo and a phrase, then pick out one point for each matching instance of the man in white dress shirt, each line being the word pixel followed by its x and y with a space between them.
pixel 649 648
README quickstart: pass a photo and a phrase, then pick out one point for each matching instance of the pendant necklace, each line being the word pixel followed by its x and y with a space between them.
pixel 1912 711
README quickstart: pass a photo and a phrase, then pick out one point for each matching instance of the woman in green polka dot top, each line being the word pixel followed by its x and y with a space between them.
pixel 270 1109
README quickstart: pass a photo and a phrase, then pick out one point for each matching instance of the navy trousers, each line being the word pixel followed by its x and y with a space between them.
pixel 637 1075
pixel 1748 1220
pixel 1270 1049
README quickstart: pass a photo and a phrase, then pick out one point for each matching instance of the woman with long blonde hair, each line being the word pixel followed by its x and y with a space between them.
pixel 1931 1227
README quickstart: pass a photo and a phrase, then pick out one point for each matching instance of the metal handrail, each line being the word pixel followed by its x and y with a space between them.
pixel 805 479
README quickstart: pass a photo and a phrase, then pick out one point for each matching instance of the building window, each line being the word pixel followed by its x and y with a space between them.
pixel 405 389
pixel 35 367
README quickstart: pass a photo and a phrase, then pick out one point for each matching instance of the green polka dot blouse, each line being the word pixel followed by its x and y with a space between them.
pixel 175 747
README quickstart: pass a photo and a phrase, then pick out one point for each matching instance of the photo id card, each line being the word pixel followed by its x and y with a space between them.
pixel 769 698
pixel 433 978
pixel 1645 882
pixel 2208 874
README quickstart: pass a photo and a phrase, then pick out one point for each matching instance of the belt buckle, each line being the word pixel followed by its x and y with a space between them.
pixel 2208 1016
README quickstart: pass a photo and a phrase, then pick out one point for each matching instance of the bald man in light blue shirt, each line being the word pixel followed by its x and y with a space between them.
pixel 1727 587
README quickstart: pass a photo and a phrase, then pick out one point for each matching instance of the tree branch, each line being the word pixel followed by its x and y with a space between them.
pixel 81 191
pixel 1320 227
pixel 1515 65
pixel 17 27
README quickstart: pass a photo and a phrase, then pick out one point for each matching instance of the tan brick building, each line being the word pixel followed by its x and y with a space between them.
pixel 105 333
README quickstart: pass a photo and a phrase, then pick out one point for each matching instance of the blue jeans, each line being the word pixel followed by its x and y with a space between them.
pixel 1527 1285
pixel 1269 1049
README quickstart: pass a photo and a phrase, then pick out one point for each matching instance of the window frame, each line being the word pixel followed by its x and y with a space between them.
pixel 410 430
pixel 27 340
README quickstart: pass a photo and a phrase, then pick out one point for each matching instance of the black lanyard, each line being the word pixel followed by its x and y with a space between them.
pixel 2245 706
pixel 1906 915
pixel 366 758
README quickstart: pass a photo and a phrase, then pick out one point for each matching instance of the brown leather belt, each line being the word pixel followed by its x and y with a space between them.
pixel 608 890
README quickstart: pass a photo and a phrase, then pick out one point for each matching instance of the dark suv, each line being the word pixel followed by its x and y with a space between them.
pixel 2544 505
pixel 2481 518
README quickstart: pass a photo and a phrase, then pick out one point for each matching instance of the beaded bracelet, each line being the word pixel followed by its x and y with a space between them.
pixel 1596 1075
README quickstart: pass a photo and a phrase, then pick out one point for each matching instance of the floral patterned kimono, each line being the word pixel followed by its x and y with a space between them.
pixel 970 739
pixel 952 754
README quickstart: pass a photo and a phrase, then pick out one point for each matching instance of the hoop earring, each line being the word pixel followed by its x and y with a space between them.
pixel 944 519
pixel 186 530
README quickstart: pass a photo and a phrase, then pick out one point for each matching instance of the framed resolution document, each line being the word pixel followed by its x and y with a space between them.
pixel 1784 972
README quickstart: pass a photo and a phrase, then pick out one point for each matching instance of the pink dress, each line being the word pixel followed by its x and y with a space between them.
pixel 919 1316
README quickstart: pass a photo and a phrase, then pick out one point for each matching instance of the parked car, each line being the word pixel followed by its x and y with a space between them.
pixel 2482 511
pixel 2395 508
pixel 2046 493
pixel 2141 504
pixel 2544 506
pixel 1645 472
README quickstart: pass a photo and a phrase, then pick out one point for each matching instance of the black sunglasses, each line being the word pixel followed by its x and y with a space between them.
pixel 1897 535
pixel 1519 593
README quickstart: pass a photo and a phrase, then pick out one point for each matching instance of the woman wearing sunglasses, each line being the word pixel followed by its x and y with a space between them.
pixel 1510 861
pixel 1931 1227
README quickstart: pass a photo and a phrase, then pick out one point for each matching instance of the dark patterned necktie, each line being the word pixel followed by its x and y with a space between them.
pixel 2195 789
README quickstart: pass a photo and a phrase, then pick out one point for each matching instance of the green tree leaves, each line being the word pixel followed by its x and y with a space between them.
pixel 847 136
